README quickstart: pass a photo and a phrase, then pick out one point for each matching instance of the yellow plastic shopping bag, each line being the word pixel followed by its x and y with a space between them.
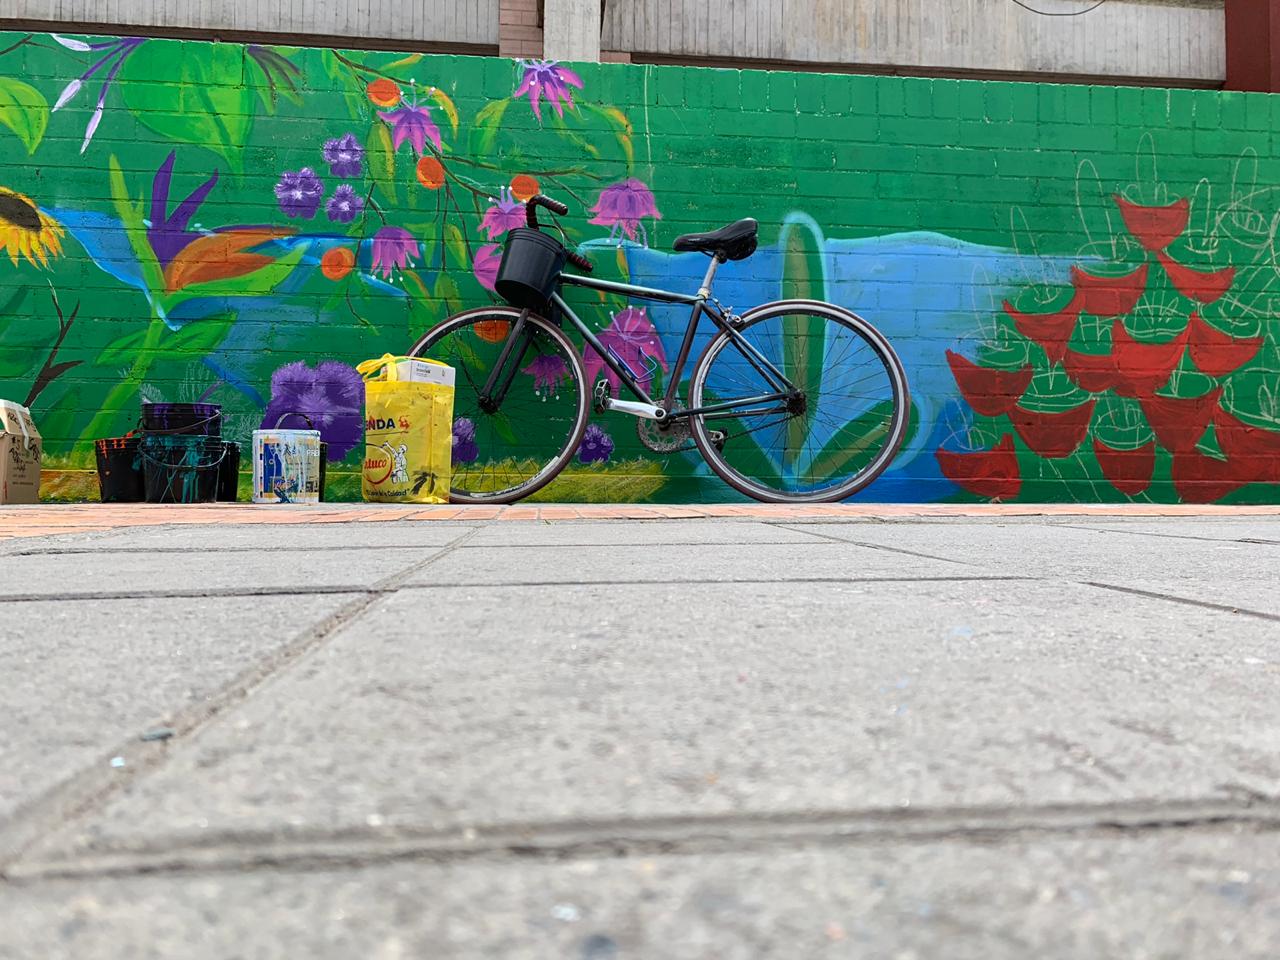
pixel 408 408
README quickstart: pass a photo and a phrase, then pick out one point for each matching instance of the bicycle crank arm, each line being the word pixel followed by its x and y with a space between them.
pixel 646 410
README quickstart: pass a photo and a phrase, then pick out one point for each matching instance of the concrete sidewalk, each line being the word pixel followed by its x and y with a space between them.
pixel 840 732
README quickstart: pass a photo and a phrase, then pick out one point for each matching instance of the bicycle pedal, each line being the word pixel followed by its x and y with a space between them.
pixel 601 396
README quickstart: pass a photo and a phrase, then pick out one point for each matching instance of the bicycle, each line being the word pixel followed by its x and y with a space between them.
pixel 794 401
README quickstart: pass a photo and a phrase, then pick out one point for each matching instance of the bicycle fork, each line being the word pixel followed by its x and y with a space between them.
pixel 499 382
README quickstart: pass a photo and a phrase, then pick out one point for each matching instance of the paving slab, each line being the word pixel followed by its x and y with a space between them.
pixel 54 575
pixel 754 562
pixel 611 533
pixel 213 537
pixel 446 708
pixel 1157 895
pixel 82 676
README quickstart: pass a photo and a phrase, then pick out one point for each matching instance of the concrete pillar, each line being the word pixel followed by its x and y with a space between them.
pixel 1253 45
pixel 571 30
pixel 519 29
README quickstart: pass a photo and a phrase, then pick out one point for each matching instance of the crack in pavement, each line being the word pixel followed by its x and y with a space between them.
pixel 362 847
pixel 90 787
pixel 878 546
pixel 1187 601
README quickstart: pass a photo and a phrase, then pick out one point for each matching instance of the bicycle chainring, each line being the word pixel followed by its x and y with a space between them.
pixel 671 437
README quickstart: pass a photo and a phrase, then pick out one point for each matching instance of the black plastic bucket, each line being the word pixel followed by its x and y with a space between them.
pixel 196 419
pixel 531 262
pixel 180 468
pixel 229 472
pixel 324 456
pixel 120 477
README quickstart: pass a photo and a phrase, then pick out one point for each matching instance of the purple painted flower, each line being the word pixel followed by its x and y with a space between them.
pixel 548 372
pixel 634 342
pixel 485 265
pixel 507 213
pixel 344 156
pixel 120 48
pixel 345 205
pixel 413 123
pixel 464 441
pixel 393 248
pixel 299 193
pixel 596 445
pixel 546 78
pixel 331 395
pixel 621 207
pixel 167 233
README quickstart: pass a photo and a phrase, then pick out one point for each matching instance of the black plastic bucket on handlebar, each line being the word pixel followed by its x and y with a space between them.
pixel 531 262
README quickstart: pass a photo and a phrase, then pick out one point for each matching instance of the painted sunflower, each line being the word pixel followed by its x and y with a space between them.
pixel 25 230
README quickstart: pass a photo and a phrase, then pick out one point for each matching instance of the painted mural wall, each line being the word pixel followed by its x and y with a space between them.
pixel 1082 282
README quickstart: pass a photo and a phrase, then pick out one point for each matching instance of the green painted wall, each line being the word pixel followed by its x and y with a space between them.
pixel 1065 339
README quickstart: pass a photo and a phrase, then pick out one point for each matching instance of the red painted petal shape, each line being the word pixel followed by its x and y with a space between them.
pixel 987 473
pixel 990 392
pixel 1194 285
pixel 1201 479
pixel 1050 330
pixel 1257 451
pixel 1053 434
pixel 1144 367
pixel 1108 296
pixel 1091 371
pixel 1129 471
pixel 1218 353
pixel 1180 422
pixel 1155 227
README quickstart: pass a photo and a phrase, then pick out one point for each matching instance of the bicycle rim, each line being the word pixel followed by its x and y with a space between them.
pixel 845 433
pixel 508 454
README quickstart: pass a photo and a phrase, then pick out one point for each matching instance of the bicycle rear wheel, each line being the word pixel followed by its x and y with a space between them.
pixel 831 439
pixel 506 451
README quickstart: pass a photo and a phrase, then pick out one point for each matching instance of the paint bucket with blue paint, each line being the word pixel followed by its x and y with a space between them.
pixel 120 477
pixel 202 419
pixel 181 468
pixel 287 464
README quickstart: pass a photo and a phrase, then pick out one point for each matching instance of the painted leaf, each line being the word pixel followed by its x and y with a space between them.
pixel 450 111
pixel 1129 471
pixel 130 213
pixel 1180 422
pixel 446 291
pixel 485 127
pixel 621 126
pixel 856 444
pixel 261 281
pixel 121 350
pixel 1143 368
pixel 1255 449
pixel 192 93
pixel 200 336
pixel 1053 435
pixel 987 473
pixel 1202 287
pixel 1202 479
pixel 1109 296
pixel 990 392
pixel 1050 330
pixel 24 111
pixel 382 160
pixel 408 61
pixel 1155 227
pixel 220 256
pixel 455 245
pixel 1090 371
pixel 803 346
pixel 1217 353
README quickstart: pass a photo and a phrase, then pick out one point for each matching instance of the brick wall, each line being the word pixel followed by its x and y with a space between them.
pixel 1078 280
pixel 519 29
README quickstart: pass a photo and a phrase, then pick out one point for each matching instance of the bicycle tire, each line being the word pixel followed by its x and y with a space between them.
pixel 895 431
pixel 466 393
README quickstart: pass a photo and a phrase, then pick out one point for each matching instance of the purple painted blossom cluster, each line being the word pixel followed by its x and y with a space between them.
pixel 300 192
pixel 596 446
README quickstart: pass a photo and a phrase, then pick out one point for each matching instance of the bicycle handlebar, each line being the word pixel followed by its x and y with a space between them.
pixel 559 209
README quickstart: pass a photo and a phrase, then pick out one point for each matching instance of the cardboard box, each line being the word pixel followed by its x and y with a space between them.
pixel 20 452
pixel 424 371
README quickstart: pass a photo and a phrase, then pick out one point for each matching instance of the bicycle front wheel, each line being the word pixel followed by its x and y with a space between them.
pixel 840 424
pixel 512 444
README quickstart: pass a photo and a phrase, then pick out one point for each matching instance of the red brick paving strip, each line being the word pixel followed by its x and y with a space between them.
pixel 48 519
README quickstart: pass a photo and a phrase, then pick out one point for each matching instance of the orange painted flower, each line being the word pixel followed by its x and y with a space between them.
pixel 337 263
pixel 524 187
pixel 384 92
pixel 431 173
pixel 494 331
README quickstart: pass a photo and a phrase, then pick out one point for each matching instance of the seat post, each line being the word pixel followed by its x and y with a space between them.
pixel 704 291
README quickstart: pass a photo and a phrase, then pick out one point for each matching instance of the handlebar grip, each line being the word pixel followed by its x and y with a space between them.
pixel 581 262
pixel 555 206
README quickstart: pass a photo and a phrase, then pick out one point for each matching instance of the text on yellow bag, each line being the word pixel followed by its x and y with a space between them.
pixel 408 406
